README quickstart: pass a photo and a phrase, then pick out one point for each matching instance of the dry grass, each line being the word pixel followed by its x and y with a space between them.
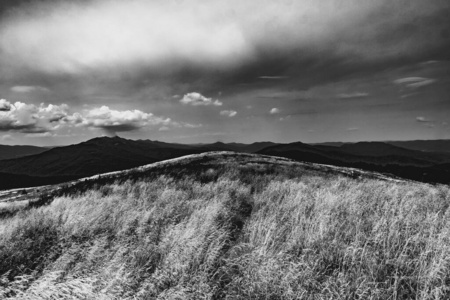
pixel 281 232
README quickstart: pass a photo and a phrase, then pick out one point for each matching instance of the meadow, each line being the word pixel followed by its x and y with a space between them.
pixel 231 227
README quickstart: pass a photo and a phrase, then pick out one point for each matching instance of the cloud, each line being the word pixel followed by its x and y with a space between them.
pixel 28 89
pixel 423 120
pixel 5 105
pixel 228 113
pixel 76 37
pixel 189 125
pixel 414 82
pixel 29 118
pixel 426 122
pixel 113 121
pixel 274 111
pixel 197 99
pixel 32 119
pixel 352 95
pixel 352 129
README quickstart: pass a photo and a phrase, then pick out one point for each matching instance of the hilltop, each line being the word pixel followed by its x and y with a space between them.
pixel 227 225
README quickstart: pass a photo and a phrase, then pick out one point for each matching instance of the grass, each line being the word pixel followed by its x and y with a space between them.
pixel 232 228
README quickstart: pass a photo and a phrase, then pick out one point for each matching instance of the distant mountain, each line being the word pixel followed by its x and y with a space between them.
pixel 424 145
pixel 238 147
pixel 99 155
pixel 95 156
pixel 372 156
pixel 105 154
pixel 419 145
pixel 334 144
pixel 8 152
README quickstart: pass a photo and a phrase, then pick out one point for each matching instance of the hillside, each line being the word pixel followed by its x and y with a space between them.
pixel 230 226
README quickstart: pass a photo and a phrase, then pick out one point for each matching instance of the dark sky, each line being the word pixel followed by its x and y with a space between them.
pixel 232 71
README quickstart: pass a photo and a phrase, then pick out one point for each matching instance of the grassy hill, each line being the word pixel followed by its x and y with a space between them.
pixel 230 226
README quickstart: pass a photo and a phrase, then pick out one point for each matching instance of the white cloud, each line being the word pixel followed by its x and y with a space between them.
pixel 414 82
pixel 228 113
pixel 196 99
pixel 5 105
pixel 28 89
pixel 274 111
pixel 42 119
pixel 116 121
pixel 352 129
pixel 29 118
pixel 188 125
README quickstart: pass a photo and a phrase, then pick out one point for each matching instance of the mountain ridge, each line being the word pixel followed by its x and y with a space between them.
pixel 108 154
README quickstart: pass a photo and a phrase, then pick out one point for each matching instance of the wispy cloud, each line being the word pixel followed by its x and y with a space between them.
pixel 228 113
pixel 414 82
pixel 426 122
pixel 28 89
pixel 282 119
pixel 352 95
pixel 423 120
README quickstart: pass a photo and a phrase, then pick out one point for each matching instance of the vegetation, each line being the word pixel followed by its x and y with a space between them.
pixel 231 227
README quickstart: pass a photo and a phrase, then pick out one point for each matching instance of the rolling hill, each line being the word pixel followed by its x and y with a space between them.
pixel 229 225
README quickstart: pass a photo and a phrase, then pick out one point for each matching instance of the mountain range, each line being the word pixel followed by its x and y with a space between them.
pixel 40 166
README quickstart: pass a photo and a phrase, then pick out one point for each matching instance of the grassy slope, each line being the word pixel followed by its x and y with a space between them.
pixel 235 227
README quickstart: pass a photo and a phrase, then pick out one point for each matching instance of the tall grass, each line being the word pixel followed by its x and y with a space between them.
pixel 234 231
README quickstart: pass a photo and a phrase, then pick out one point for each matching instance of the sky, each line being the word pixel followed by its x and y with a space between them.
pixel 199 71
